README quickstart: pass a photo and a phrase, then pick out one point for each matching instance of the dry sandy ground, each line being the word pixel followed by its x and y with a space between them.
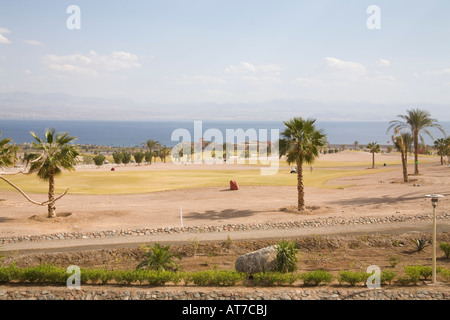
pixel 380 193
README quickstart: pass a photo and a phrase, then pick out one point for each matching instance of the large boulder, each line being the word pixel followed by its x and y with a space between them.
pixel 257 261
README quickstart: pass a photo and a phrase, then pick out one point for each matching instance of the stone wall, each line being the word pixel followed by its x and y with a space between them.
pixel 441 292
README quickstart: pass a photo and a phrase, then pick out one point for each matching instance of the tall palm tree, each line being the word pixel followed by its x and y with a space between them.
pixel 151 145
pixel 401 141
pixel 417 121
pixel 442 147
pixel 301 144
pixel 373 148
pixel 56 154
pixel 7 152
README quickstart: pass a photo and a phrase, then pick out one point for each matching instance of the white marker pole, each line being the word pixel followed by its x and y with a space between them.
pixel 181 216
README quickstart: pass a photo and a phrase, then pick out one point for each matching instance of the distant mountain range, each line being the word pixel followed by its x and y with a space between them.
pixel 25 105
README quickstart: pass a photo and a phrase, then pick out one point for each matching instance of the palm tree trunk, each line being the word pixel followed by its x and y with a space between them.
pixel 404 164
pixel 300 188
pixel 373 160
pixel 416 152
pixel 442 158
pixel 51 196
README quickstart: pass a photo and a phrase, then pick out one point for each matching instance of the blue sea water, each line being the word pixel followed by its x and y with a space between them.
pixel 134 133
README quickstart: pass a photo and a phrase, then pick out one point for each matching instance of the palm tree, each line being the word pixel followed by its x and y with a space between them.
pixel 417 121
pixel 7 152
pixel 356 145
pixel 56 154
pixel 159 258
pixel 151 145
pixel 301 144
pixel 401 141
pixel 373 148
pixel 442 147
pixel 164 153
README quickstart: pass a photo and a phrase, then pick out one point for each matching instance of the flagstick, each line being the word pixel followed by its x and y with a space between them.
pixel 181 216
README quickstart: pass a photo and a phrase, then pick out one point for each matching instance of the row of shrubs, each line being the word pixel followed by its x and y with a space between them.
pixel 48 274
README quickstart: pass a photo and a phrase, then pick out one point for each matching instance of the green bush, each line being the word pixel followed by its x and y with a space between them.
pixel 444 246
pixel 317 277
pixel 413 273
pixel 157 278
pixel 125 276
pixel 403 280
pixel 10 273
pixel 445 273
pixel 352 278
pixel 42 274
pixel 387 276
pixel 424 271
pixel 99 159
pixel 286 259
pixel 393 261
pixel 215 278
pixel 139 157
pixel 275 278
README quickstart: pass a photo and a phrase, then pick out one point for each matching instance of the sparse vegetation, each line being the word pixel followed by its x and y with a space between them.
pixel 159 258
pixel 286 259
pixel 444 246
pixel 314 278
pixel 420 244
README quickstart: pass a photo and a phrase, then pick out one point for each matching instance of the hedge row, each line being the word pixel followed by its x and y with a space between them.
pixel 47 274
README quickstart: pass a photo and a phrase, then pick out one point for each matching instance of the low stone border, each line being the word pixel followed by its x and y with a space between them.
pixel 225 294
pixel 311 223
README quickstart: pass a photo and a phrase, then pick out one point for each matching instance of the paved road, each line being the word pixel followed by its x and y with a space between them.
pixel 134 241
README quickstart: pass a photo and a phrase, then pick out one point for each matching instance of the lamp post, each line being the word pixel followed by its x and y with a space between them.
pixel 434 203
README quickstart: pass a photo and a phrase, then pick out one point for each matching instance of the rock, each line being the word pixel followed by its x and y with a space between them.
pixel 257 261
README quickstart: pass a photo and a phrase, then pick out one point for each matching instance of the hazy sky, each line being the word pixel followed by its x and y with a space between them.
pixel 229 51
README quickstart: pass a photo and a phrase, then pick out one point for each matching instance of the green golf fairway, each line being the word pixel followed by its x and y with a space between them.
pixel 129 182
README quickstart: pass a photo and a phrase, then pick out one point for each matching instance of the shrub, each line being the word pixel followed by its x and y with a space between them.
pixel 352 278
pixel 159 258
pixel 157 278
pixel 413 273
pixel 286 259
pixel 41 274
pixel 126 157
pixel 97 275
pixel 10 273
pixel 393 261
pixel 444 246
pixel 139 157
pixel 446 274
pixel 403 280
pixel 420 244
pixel 215 278
pixel 274 278
pixel 117 156
pixel 387 276
pixel 315 278
pixel 125 276
pixel 99 159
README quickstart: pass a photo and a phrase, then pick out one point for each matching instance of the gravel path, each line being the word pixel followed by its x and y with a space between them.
pixel 419 225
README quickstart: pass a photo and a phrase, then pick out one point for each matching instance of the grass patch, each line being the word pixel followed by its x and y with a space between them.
pixel 132 182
